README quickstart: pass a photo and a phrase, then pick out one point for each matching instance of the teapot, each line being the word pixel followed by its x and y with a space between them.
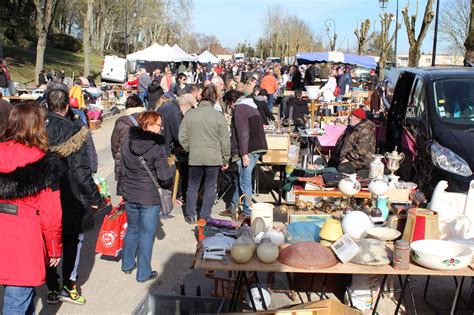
pixel 349 186
pixel 394 159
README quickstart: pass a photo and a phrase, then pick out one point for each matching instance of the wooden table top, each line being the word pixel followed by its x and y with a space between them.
pixel 348 268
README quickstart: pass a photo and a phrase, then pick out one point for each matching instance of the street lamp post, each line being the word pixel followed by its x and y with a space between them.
pixel 435 37
pixel 332 41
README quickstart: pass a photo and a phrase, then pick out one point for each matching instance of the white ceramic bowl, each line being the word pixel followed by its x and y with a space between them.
pixel 440 255
pixel 383 233
pixel 313 91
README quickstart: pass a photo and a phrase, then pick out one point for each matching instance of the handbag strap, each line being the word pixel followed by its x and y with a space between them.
pixel 133 119
pixel 147 169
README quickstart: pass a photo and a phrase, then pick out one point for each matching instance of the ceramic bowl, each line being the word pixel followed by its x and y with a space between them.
pixel 383 233
pixel 331 230
pixel 440 255
pixel 378 187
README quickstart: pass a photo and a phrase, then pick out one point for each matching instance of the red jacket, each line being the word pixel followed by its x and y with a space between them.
pixel 31 233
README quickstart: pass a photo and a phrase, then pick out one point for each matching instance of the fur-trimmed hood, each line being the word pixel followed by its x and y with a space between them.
pixel 73 144
pixel 27 179
pixel 141 141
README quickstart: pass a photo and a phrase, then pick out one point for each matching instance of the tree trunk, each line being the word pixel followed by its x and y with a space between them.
pixel 87 37
pixel 469 44
pixel 414 56
pixel 43 20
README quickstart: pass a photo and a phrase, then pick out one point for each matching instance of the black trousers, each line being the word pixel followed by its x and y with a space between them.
pixel 196 174
pixel 70 253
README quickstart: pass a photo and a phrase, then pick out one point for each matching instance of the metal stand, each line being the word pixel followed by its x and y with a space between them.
pixel 240 280
pixel 457 296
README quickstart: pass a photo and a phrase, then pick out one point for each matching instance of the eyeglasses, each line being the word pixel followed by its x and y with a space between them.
pixel 157 124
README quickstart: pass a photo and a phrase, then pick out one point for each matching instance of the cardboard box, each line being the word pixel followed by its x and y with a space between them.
pixel 278 145
pixel 94 124
pixel 323 307
pixel 398 195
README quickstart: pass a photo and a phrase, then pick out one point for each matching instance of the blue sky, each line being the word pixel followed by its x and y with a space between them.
pixel 234 21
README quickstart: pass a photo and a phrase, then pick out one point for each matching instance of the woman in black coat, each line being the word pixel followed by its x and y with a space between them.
pixel 142 200
pixel 259 96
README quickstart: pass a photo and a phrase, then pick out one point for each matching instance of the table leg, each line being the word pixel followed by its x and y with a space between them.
pixel 280 188
pixel 411 296
pixel 323 288
pixel 308 293
pixel 264 305
pixel 236 291
pixel 249 292
pixel 402 294
pixel 456 296
pixel 374 311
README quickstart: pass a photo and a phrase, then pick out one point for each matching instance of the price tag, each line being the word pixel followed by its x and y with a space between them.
pixel 345 248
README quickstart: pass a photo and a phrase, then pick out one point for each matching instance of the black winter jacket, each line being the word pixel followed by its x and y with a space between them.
pixel 136 183
pixel 300 109
pixel 172 117
pixel 78 190
pixel 262 106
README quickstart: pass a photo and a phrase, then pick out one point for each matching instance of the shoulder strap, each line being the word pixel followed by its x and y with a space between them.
pixel 147 169
pixel 133 119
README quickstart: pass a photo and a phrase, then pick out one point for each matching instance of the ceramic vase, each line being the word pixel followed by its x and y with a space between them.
pixel 267 252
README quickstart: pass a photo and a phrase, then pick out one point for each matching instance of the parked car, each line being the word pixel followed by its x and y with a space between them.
pixel 431 119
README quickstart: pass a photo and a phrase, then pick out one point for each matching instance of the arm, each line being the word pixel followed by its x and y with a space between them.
pixel 224 140
pixel 92 153
pixel 165 176
pixel 49 207
pixel 115 139
pixel 177 117
pixel 242 130
pixel 183 134
pixel 268 113
pixel 83 176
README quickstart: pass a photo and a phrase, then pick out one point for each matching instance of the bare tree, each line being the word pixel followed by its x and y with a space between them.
pixel 87 37
pixel 386 40
pixel 416 41
pixel 469 44
pixel 454 23
pixel 44 8
pixel 362 35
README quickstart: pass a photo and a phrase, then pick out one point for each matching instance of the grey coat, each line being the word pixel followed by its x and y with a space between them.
pixel 205 135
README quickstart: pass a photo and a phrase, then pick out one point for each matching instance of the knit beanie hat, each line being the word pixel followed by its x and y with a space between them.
pixel 359 113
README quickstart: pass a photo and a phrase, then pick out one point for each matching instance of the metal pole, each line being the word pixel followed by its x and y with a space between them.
pixel 435 38
pixel 396 35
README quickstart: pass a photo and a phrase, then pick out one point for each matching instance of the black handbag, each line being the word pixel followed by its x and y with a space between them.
pixel 166 196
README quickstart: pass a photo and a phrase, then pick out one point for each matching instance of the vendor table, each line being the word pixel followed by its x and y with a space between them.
pixel 255 266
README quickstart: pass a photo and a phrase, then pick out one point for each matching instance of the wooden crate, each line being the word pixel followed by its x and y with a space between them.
pixel 94 124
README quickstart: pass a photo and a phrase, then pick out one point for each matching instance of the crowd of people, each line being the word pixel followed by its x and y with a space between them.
pixel 201 120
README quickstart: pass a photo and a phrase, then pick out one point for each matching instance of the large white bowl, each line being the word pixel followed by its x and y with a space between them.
pixel 313 91
pixel 440 255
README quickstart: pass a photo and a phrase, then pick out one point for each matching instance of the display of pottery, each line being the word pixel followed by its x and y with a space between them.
pixel 440 254
pixel 307 255
pixel 394 159
pixel 376 168
pixel 242 253
pixel 378 187
pixel 349 186
pixel 355 224
pixel 373 253
pixel 331 230
pixel 383 233
pixel 258 226
pixel 267 252
pixel 218 241
pixel 275 236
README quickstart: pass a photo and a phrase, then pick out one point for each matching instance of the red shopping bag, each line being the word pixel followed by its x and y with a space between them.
pixel 112 232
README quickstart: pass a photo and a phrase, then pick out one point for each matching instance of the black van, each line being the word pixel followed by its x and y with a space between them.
pixel 431 119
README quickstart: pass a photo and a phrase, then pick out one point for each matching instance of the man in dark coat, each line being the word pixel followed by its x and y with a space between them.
pixel 300 109
pixel 79 194
pixel 355 147
pixel 172 117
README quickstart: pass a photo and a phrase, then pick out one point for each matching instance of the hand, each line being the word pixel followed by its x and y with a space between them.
pixel 54 261
pixel 345 161
pixel 95 208
pixel 245 160
pixel 224 167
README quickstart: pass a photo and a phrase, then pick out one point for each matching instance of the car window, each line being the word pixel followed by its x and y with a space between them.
pixel 417 101
pixel 454 100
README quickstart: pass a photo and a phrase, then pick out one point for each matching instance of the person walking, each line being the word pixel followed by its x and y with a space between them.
pixel 145 146
pixel 79 194
pixel 270 84
pixel 205 135
pixel 30 208
pixel 133 107
pixel 143 83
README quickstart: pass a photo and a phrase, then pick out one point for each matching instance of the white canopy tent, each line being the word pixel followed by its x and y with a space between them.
pixel 206 57
pixel 146 53
pixel 181 52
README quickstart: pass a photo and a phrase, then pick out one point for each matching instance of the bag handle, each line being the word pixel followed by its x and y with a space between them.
pixel 134 120
pixel 147 169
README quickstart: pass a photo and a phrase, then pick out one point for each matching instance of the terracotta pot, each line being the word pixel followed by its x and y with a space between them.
pixel 267 252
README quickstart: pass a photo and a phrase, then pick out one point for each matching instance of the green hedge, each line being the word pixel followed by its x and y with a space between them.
pixel 65 42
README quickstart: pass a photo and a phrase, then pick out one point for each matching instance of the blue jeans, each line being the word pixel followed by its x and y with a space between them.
pixel 142 95
pixel 5 91
pixel 243 183
pixel 196 173
pixel 142 222
pixel 270 102
pixel 18 300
